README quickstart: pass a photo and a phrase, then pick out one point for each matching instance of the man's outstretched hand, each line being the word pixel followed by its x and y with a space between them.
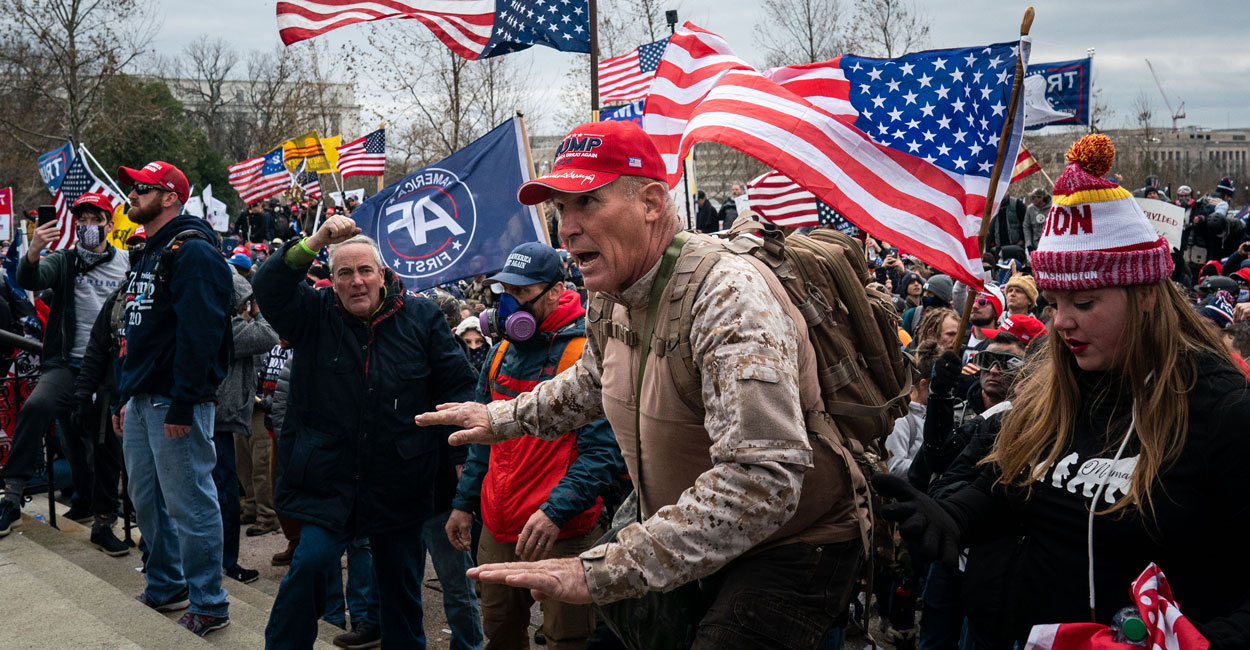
pixel 472 418
pixel 559 579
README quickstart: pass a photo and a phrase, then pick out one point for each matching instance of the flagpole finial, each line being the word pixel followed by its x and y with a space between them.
pixel 1027 23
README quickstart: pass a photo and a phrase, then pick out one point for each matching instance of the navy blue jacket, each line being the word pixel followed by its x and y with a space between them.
pixel 352 458
pixel 177 341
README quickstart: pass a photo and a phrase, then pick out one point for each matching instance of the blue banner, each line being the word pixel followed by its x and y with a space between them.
pixel 53 165
pixel 1057 93
pixel 631 112
pixel 456 218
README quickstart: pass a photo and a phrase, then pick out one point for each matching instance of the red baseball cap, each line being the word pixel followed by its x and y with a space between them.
pixel 95 200
pixel 593 155
pixel 137 236
pixel 1025 328
pixel 158 173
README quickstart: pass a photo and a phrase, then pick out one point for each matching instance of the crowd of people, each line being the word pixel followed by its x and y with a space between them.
pixel 534 433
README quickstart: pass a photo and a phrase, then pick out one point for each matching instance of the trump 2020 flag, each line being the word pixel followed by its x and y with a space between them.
pixel 54 164
pixel 456 218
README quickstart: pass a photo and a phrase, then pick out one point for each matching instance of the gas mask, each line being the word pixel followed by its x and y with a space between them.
pixel 512 320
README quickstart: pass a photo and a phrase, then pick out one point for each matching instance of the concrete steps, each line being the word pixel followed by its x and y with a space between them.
pixel 66 575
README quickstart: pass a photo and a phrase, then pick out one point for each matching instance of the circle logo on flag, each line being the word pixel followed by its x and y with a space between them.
pixel 426 224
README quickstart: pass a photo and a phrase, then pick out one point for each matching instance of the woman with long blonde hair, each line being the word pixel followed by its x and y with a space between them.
pixel 1126 444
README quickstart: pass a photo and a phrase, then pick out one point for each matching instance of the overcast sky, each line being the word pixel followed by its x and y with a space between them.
pixel 1200 57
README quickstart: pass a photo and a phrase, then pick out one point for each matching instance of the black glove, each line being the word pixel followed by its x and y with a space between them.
pixel 931 533
pixel 81 416
pixel 946 373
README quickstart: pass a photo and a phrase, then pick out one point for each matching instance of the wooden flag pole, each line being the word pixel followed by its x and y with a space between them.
pixel 594 61
pixel 1003 139
pixel 529 160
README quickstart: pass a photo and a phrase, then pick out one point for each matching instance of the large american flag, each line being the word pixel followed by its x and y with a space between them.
pixel 903 148
pixel 628 77
pixel 311 183
pixel 78 181
pixel 260 178
pixel 780 201
pixel 474 29
pixel 365 156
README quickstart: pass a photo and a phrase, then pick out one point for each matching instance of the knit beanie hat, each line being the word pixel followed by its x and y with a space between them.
pixel 941 286
pixel 995 296
pixel 1226 186
pixel 1023 283
pixel 1219 309
pixel 1095 234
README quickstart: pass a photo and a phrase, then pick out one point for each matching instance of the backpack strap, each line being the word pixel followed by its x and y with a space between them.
pixel 494 364
pixel 673 341
pixel 164 263
pixel 599 322
pixel 572 352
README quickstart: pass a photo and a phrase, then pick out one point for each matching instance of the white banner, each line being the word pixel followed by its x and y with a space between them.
pixel 215 211
pixel 1168 219
pixel 338 197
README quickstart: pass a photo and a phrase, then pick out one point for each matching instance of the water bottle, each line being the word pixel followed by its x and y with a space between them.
pixel 1127 627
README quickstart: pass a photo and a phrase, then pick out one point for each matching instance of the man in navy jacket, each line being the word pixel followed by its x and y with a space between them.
pixel 367 359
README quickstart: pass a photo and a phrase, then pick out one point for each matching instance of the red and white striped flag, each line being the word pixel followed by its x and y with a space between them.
pixel 260 178
pixel 628 77
pixel 780 201
pixel 1166 627
pixel 1026 165
pixel 364 156
pixel 464 26
pixel 904 148
pixel 78 180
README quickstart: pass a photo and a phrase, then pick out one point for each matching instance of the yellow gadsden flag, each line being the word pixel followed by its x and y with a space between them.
pixel 305 147
pixel 330 147
pixel 123 227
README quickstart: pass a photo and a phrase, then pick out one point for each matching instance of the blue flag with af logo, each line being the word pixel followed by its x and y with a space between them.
pixel 458 217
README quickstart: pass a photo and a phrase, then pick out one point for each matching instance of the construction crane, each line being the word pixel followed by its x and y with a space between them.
pixel 1177 113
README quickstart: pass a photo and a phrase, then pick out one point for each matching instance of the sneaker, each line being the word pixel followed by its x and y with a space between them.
pixel 283 558
pixel 11 517
pixel 262 529
pixel 102 537
pixel 80 515
pixel 365 635
pixel 242 575
pixel 202 624
pixel 178 602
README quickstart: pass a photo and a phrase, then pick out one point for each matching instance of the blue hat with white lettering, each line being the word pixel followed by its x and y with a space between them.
pixel 530 263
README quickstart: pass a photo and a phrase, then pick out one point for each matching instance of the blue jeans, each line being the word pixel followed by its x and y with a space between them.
pixel 171 486
pixel 302 595
pixel 226 478
pixel 362 596
pixel 459 601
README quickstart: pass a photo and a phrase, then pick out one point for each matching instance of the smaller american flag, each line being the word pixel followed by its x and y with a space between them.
pixel 781 202
pixel 311 184
pixel 827 216
pixel 364 156
pixel 78 181
pixel 259 178
pixel 628 77
pixel 1026 164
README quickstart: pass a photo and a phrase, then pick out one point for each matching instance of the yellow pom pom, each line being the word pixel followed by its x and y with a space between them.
pixel 1094 153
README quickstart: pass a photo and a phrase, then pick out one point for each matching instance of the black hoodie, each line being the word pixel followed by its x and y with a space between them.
pixel 177 341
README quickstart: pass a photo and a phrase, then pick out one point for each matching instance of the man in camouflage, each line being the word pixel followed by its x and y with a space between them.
pixel 719 489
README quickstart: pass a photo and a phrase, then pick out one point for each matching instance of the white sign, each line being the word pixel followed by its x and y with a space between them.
pixel 215 211
pixel 1167 219
pixel 338 197
pixel 6 213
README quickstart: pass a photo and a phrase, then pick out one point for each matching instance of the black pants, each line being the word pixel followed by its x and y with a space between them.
pixel 226 478
pixel 785 597
pixel 94 459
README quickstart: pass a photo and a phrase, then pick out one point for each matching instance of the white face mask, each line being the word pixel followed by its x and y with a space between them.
pixel 1243 295
pixel 89 236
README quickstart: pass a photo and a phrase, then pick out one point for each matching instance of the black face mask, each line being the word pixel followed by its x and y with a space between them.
pixel 477 356
pixel 136 254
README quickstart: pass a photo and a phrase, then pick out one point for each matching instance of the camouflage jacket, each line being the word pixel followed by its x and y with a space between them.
pixel 756 441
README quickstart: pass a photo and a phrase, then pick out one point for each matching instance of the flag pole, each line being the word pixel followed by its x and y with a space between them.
pixel 594 61
pixel 1004 138
pixel 529 160
pixel 108 178
pixel 671 17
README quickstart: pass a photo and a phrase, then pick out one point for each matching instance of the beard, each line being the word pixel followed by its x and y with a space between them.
pixel 981 321
pixel 144 214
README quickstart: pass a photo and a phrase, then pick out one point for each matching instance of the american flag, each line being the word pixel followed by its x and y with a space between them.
pixel 474 29
pixel 903 148
pixel 780 201
pixel 311 184
pixel 1026 164
pixel 365 156
pixel 260 178
pixel 628 77
pixel 827 216
pixel 78 181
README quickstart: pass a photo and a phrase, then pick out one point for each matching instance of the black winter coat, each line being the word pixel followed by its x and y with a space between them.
pixel 352 458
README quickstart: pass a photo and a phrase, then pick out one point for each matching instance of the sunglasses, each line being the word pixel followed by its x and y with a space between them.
pixel 981 301
pixel 1007 362
pixel 144 188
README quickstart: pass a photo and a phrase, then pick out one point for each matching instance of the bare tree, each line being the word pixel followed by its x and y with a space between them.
pixel 200 79
pixel 889 28
pixel 77 46
pixel 802 31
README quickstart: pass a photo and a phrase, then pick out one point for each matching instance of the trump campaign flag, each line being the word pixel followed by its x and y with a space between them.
pixel 458 217
pixel 474 29
pixel 903 148
pixel 1057 93
pixel 631 112
pixel 54 164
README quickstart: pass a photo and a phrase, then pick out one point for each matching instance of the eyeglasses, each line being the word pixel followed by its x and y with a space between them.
pixel 1006 361
pixel 144 188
